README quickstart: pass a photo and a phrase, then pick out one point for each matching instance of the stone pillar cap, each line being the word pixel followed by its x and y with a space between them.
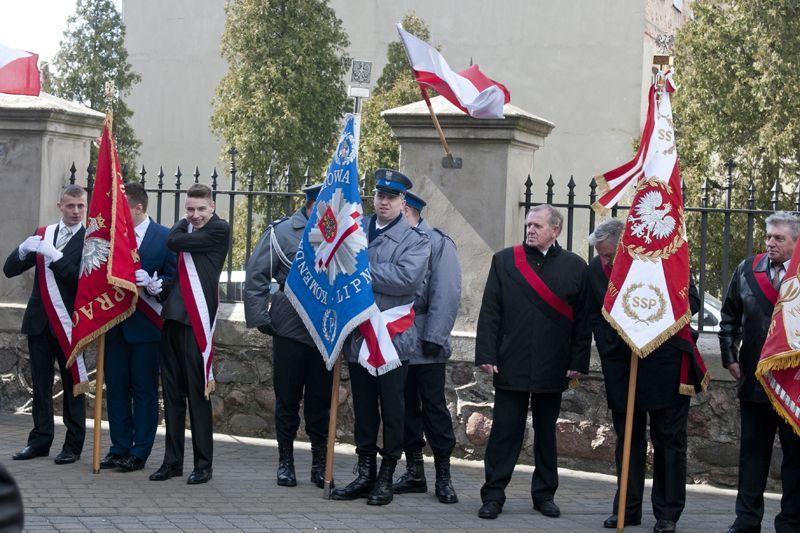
pixel 12 104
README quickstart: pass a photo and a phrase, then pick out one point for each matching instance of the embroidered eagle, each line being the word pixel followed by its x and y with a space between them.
pixel 95 254
pixel 651 219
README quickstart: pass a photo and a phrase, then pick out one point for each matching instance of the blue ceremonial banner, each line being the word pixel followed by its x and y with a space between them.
pixel 329 283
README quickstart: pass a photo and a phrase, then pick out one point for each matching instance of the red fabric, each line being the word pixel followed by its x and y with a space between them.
pixel 21 76
pixel 473 74
pixel 399 325
pixel 763 281
pixel 698 366
pixel 538 285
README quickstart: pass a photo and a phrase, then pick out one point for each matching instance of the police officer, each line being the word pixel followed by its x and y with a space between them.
pixel 435 311
pixel 299 372
pixel 398 262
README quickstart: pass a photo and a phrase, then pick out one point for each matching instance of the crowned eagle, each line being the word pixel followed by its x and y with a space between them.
pixel 651 219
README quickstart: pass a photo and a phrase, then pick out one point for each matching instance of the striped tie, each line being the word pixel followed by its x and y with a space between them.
pixel 63 237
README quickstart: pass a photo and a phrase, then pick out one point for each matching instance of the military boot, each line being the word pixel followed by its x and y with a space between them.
pixel 362 485
pixel 382 491
pixel 444 487
pixel 413 480
pixel 286 476
pixel 318 457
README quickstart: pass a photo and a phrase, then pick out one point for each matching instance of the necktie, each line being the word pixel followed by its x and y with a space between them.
pixel 63 237
pixel 777 270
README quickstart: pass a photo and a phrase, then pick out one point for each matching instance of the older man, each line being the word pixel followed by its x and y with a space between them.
pixel 746 316
pixel 533 337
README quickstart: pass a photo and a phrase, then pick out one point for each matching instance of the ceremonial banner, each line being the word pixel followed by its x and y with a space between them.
pixel 778 368
pixel 107 292
pixel 329 282
pixel 648 294
pixel 377 353
pixel 19 72
pixel 470 90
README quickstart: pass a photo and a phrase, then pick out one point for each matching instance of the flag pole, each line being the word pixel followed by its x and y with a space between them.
pixel 626 449
pixel 333 412
pixel 442 138
pixel 98 401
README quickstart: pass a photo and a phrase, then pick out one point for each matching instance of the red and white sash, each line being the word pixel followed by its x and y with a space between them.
pixel 150 308
pixel 57 313
pixel 378 354
pixel 539 286
pixel 203 323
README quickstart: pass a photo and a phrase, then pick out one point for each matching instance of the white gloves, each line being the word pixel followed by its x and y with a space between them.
pixel 151 284
pixel 31 244
pixel 48 250
pixel 142 278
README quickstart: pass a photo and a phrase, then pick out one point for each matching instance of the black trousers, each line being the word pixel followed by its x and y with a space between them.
pixel 43 350
pixel 505 443
pixel 668 433
pixel 760 422
pixel 426 410
pixel 376 399
pixel 299 373
pixel 182 381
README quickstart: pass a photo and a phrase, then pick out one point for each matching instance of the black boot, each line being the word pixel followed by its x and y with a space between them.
pixel 444 487
pixel 413 480
pixel 362 485
pixel 286 477
pixel 318 457
pixel 382 491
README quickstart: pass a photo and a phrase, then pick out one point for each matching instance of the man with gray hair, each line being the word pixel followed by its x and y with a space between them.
pixel 746 317
pixel 532 338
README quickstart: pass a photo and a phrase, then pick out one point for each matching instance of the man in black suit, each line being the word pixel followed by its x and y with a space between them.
pixel 190 306
pixel 61 254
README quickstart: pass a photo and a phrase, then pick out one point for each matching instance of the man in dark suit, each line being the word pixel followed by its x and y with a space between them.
pixel 61 254
pixel 201 241
pixel 131 371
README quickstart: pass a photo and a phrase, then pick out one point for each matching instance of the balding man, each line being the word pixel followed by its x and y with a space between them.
pixel 533 337
pixel 746 316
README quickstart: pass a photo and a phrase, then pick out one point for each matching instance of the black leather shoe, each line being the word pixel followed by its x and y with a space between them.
pixel 65 457
pixel 381 493
pixel 664 526
pixel 413 479
pixel 490 510
pixel 742 529
pixel 362 485
pixel 611 522
pixel 28 453
pixel 547 508
pixel 109 461
pixel 319 454
pixel 444 487
pixel 165 472
pixel 130 463
pixel 286 475
pixel 199 475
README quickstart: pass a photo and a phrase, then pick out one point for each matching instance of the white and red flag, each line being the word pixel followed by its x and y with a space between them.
pixel 19 72
pixel 107 292
pixel 648 293
pixel 470 90
pixel 378 354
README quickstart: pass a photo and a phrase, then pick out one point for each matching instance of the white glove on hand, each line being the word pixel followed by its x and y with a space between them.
pixel 48 250
pixel 154 286
pixel 142 278
pixel 31 244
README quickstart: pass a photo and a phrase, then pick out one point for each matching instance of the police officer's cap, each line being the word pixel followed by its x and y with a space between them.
pixel 412 200
pixel 312 191
pixel 391 181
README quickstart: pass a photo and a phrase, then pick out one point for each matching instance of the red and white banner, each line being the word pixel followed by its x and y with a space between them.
pixel 19 72
pixel 470 90
pixel 778 368
pixel 378 354
pixel 203 324
pixel 648 294
pixel 57 313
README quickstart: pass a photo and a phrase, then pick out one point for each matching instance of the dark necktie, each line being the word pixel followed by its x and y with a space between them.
pixel 776 275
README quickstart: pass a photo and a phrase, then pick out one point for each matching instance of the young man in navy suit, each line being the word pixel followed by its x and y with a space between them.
pixel 132 347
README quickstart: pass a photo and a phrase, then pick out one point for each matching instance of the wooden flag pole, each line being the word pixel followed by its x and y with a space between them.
pixel 626 449
pixel 438 126
pixel 99 379
pixel 334 410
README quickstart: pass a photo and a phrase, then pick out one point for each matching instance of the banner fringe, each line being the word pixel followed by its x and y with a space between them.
pixel 211 386
pixel 657 341
pixel 383 369
pixel 82 388
pixel 84 342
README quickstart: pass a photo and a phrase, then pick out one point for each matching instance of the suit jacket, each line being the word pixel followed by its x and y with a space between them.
pixel 155 257
pixel 66 271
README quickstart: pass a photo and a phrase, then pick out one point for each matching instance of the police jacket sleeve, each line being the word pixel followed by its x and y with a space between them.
pixel 404 276
pixel 490 319
pixel 207 239
pixel 581 345
pixel 257 281
pixel 730 326
pixel 444 294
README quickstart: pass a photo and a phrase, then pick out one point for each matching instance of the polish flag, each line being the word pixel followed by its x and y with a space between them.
pixel 19 73
pixel 470 90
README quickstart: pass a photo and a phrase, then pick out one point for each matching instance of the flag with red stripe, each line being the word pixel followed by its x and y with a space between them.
pixel 19 72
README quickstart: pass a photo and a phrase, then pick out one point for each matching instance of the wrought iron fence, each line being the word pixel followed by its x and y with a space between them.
pixel 726 227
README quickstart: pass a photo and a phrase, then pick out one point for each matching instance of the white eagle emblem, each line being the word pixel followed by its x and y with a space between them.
pixel 95 254
pixel 651 219
pixel 337 236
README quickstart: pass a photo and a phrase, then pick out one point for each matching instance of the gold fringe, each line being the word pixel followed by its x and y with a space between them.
pixel 81 388
pixel 686 389
pixel 705 382
pixel 211 387
pixel 81 345
pixel 602 184
pixel 601 210
pixel 574 383
pixel 779 407
pixel 653 344
pixel 780 361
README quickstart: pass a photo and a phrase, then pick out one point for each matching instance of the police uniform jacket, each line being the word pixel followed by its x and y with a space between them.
pixel 437 302
pixel 746 315
pixel 398 262
pixel 533 345
pixel 260 306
